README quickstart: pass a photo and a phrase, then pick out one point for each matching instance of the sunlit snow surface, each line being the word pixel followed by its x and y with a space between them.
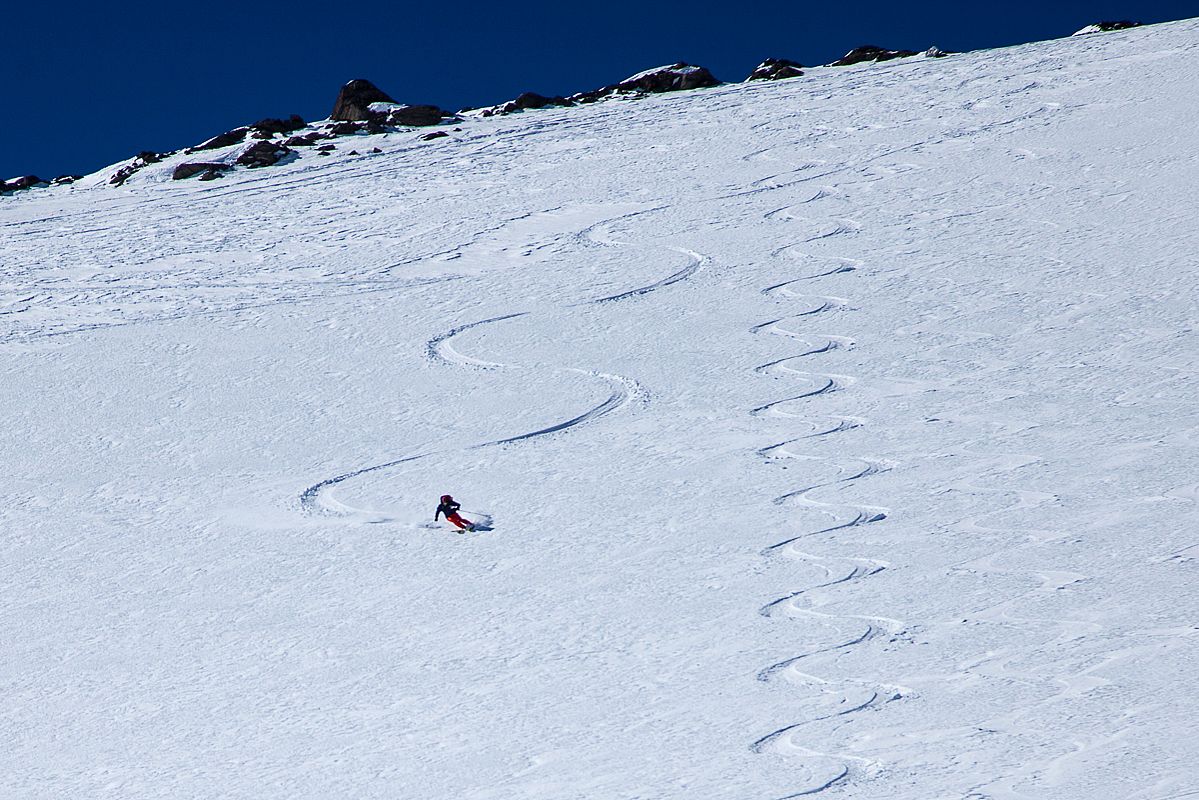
pixel 838 435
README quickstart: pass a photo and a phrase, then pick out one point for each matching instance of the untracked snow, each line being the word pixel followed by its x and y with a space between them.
pixel 838 437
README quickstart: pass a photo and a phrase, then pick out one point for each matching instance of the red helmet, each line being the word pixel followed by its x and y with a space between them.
pixel 445 498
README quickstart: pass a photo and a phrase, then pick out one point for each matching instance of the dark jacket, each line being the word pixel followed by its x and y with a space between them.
pixel 447 509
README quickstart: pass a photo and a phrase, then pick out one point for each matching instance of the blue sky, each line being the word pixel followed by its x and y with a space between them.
pixel 86 84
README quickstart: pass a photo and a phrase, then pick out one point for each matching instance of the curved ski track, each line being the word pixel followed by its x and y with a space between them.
pixel 825 698
pixel 686 272
pixel 439 349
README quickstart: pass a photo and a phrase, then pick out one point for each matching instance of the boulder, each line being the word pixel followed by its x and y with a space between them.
pixel 869 52
pixel 354 100
pixel 434 135
pixel 775 69
pixel 305 139
pixel 270 125
pixel 262 154
pixel 670 78
pixel 935 52
pixel 185 171
pixel 1103 27
pixel 344 128
pixel 524 102
pixel 528 100
pixel 403 116
pixel 63 180
pixel 23 182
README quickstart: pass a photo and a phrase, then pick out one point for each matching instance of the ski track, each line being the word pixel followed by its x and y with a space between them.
pixel 844 696
pixel 686 272
pixel 439 349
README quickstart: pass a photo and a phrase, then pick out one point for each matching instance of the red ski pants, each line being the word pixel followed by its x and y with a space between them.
pixel 457 520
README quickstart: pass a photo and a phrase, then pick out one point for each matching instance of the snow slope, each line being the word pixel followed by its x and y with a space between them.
pixel 838 436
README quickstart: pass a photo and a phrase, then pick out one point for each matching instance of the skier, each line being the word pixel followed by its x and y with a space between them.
pixel 450 509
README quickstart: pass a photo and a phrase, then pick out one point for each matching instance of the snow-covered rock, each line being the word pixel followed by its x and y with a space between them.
pixel 524 102
pixel 355 98
pixel 669 78
pixel 263 154
pixel 405 116
pixel 208 170
pixel 21 183
pixel 139 162
pixel 773 69
pixel 1103 27
pixel 869 52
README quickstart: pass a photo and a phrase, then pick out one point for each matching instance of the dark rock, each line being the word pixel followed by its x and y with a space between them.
pixel 221 140
pixel 869 52
pixel 63 180
pixel 397 115
pixel 212 174
pixel 23 182
pixel 526 101
pixel 344 128
pixel 435 135
pixel 672 78
pixel 936 52
pixel 185 171
pixel 262 154
pixel 304 139
pixel 354 153
pixel 271 125
pixel 326 148
pixel 354 100
pixel 376 150
pixel 1104 27
pixel 775 69
pixel 141 161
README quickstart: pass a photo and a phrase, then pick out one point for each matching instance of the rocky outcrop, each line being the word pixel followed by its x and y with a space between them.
pixel 869 52
pixel 936 52
pixel 525 102
pixel 209 169
pixel 21 183
pixel 670 78
pixel 398 115
pixel 305 139
pixel 776 69
pixel 1104 27
pixel 140 162
pixel 263 154
pixel 270 126
pixel 355 99
pixel 428 137
pixel 63 180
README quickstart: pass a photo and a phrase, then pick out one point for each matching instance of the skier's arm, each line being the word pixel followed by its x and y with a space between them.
pixel 438 514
